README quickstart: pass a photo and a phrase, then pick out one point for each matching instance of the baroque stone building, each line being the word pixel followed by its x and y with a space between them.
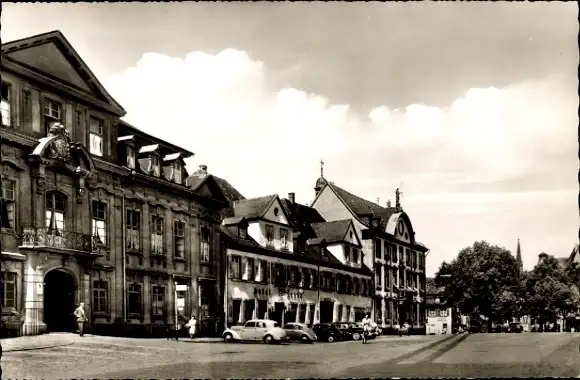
pixel 389 247
pixel 94 209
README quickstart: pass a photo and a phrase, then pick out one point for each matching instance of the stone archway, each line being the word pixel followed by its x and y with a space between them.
pixel 59 301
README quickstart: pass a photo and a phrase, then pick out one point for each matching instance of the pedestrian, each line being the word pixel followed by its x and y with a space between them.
pixel 192 324
pixel 81 318
pixel 397 328
pixel 366 322
pixel 406 328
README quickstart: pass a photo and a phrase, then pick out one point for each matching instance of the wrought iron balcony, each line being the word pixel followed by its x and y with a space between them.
pixel 45 237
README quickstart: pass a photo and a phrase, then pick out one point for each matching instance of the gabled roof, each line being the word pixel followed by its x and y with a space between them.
pixel 254 207
pixel 10 50
pixel 230 193
pixel 361 207
pixel 332 232
pixel 301 217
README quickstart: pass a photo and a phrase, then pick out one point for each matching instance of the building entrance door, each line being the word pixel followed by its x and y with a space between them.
pixel 59 301
pixel 326 311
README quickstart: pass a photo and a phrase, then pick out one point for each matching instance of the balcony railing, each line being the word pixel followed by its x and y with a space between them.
pixel 36 237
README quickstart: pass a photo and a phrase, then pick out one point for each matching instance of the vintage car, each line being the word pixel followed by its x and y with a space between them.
pixel 256 329
pixel 300 332
pixel 353 331
pixel 328 332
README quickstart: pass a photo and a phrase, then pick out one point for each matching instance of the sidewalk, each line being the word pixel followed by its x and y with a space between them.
pixel 25 343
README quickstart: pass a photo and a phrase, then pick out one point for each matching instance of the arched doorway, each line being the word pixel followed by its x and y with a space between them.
pixel 59 301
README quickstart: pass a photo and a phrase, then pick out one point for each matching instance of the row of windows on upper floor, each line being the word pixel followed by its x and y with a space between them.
pixel 53 113
pixel 396 277
pixel 388 251
pixel 294 276
pixel 56 209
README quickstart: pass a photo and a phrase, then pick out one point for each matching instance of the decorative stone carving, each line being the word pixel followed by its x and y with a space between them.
pixel 60 148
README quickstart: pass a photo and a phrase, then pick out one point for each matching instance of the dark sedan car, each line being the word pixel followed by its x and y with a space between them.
pixel 352 330
pixel 328 332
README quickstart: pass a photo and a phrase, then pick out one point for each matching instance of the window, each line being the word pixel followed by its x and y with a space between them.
pixel 96 136
pixel 55 208
pixel 235 264
pixel 247 268
pixel 378 276
pixel 158 302
pixel 100 221
pixel 156 235
pixel 355 286
pixel 279 275
pixel 155 166
pixel 347 253
pixel 204 301
pixel 8 199
pixel 431 313
pixel 284 238
pixel 177 172
pixel 408 257
pixel 355 255
pixel 269 235
pixel 134 299
pixel 52 109
pixel 394 253
pixel 179 238
pixel 5 105
pixel 261 271
pixel 205 239
pixel 442 312
pixel 378 246
pixel 401 253
pixel 9 298
pixel 133 229
pixel 243 232
pixel 100 302
pixel 130 157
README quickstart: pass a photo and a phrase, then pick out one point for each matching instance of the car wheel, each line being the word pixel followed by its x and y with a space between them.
pixel 228 338
pixel 356 336
pixel 268 339
pixel 330 338
pixel 304 339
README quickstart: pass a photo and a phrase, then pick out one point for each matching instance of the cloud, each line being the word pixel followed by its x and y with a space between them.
pixel 229 109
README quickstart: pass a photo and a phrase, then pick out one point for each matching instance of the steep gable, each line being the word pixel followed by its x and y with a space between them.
pixel 276 212
pixel 351 235
pixel 52 56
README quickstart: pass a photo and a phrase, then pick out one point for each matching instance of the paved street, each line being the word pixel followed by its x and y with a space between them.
pixel 554 354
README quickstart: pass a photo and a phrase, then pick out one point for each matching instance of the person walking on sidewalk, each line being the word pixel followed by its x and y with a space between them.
pixel 192 324
pixel 81 318
pixel 366 322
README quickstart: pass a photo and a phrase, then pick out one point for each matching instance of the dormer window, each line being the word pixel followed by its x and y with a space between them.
pixel 155 165
pixel 96 136
pixel 177 172
pixel 347 253
pixel 243 232
pixel 269 235
pixel 375 222
pixel 130 152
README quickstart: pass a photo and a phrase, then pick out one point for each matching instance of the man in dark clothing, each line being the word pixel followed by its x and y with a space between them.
pixel 81 319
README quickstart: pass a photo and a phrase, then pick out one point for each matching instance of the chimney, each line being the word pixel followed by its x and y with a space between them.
pixel 292 197
pixel 202 172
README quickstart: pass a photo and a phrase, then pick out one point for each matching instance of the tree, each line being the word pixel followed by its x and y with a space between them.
pixel 482 280
pixel 550 290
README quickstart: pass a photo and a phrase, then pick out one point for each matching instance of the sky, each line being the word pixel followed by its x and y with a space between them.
pixel 470 108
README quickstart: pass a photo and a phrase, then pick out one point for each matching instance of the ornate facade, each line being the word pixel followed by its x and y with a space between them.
pixel 389 247
pixel 95 210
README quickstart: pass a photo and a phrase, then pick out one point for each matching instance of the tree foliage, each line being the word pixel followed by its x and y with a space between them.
pixel 551 290
pixel 483 280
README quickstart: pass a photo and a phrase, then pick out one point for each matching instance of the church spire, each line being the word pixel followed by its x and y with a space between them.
pixel 519 256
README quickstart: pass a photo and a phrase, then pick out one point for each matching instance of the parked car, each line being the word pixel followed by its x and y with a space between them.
pixel 515 328
pixel 300 332
pixel 256 329
pixel 352 330
pixel 327 332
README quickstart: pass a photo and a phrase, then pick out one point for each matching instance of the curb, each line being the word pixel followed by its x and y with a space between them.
pixel 53 345
pixel 202 341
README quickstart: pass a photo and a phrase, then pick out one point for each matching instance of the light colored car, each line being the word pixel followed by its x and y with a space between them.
pixel 256 329
pixel 299 331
